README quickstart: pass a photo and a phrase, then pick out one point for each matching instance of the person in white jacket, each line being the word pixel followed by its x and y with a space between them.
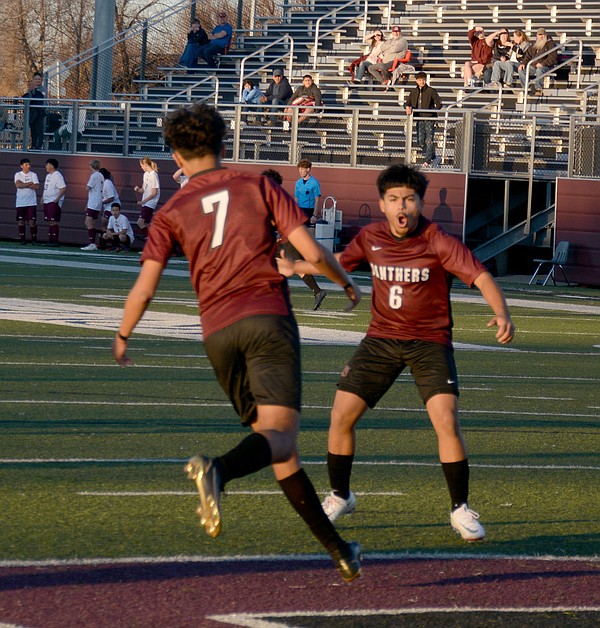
pixel 359 66
pixel 394 48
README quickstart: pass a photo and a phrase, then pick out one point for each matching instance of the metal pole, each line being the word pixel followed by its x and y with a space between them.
pixel 104 29
pixel 144 51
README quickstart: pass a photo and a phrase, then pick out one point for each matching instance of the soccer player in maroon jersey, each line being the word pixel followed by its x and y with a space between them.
pixel 412 262
pixel 223 220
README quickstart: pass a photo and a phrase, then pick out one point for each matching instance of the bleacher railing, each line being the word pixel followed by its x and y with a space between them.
pixel 577 57
pixel 476 142
pixel 332 16
pixel 289 55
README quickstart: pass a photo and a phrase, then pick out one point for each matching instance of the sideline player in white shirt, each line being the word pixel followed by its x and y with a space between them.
pixel 52 199
pixel 119 234
pixel 27 183
pixel 109 196
pixel 150 193
pixel 94 204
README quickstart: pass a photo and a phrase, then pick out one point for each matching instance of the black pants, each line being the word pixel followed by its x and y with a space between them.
pixel 36 126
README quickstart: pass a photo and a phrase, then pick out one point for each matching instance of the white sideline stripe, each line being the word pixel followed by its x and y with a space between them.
pixel 43 258
pixel 213 404
pixel 285 558
pixel 188 493
pixel 405 374
pixel 262 620
pixel 364 463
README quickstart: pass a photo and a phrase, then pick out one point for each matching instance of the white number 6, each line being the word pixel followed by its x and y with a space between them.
pixel 395 297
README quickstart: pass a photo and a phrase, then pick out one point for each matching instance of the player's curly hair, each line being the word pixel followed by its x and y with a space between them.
pixel 402 176
pixel 273 174
pixel 195 131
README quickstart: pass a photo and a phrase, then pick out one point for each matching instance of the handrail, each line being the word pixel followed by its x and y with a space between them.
pixel 188 90
pixel 332 12
pixel 260 51
pixel 446 109
pixel 553 69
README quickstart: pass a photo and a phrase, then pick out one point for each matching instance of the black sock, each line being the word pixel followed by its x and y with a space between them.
pixel 457 478
pixel 302 496
pixel 309 280
pixel 247 457
pixel 340 468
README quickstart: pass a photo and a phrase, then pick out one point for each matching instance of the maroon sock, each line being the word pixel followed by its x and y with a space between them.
pixel 33 229
pixel 21 231
pixel 92 235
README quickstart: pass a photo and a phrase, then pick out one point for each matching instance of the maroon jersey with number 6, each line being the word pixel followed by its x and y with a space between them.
pixel 411 279
pixel 223 220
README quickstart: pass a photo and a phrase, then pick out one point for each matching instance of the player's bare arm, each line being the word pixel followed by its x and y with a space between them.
pixel 492 293
pixel 320 261
pixel 138 300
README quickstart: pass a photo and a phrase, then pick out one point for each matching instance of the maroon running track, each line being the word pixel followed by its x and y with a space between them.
pixel 187 593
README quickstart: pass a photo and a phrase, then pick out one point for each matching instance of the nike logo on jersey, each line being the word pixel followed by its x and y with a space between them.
pixel 451 381
pixel 376 248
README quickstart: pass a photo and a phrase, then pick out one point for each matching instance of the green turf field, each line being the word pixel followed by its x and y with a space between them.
pixel 91 455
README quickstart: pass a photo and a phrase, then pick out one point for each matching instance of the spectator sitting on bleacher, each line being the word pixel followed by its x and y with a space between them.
pixel 196 38
pixel 543 43
pixel 394 48
pixel 278 93
pixel 504 70
pixel 481 54
pixel 501 48
pixel 251 95
pixel 307 97
pixel 362 64
pixel 219 41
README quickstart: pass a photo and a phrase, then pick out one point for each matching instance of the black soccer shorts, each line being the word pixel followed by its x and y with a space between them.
pixel 257 362
pixel 377 363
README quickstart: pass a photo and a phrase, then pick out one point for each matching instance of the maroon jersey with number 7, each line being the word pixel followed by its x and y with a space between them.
pixel 223 220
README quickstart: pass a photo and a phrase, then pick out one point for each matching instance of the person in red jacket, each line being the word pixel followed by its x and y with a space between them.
pixel 481 54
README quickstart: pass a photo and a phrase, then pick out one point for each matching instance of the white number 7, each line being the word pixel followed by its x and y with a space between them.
pixel 221 201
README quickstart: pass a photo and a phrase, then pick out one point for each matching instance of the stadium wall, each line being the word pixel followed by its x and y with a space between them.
pixel 445 200
pixel 578 222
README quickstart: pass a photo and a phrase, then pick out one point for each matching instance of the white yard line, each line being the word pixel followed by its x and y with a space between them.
pixel 290 558
pixel 359 463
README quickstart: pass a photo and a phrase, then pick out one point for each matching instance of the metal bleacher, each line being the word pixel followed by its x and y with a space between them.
pixel 366 124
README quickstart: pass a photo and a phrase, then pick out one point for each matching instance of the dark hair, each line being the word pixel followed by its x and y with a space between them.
pixel 38 74
pixel 305 163
pixel 105 173
pixel 249 82
pixel 115 205
pixel 420 75
pixel 308 76
pixel 53 162
pixel 196 21
pixel 273 174
pixel 195 131
pixel 25 160
pixel 402 176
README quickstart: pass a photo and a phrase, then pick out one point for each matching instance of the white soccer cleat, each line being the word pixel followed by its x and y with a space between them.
pixel 89 247
pixel 335 506
pixel 466 523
